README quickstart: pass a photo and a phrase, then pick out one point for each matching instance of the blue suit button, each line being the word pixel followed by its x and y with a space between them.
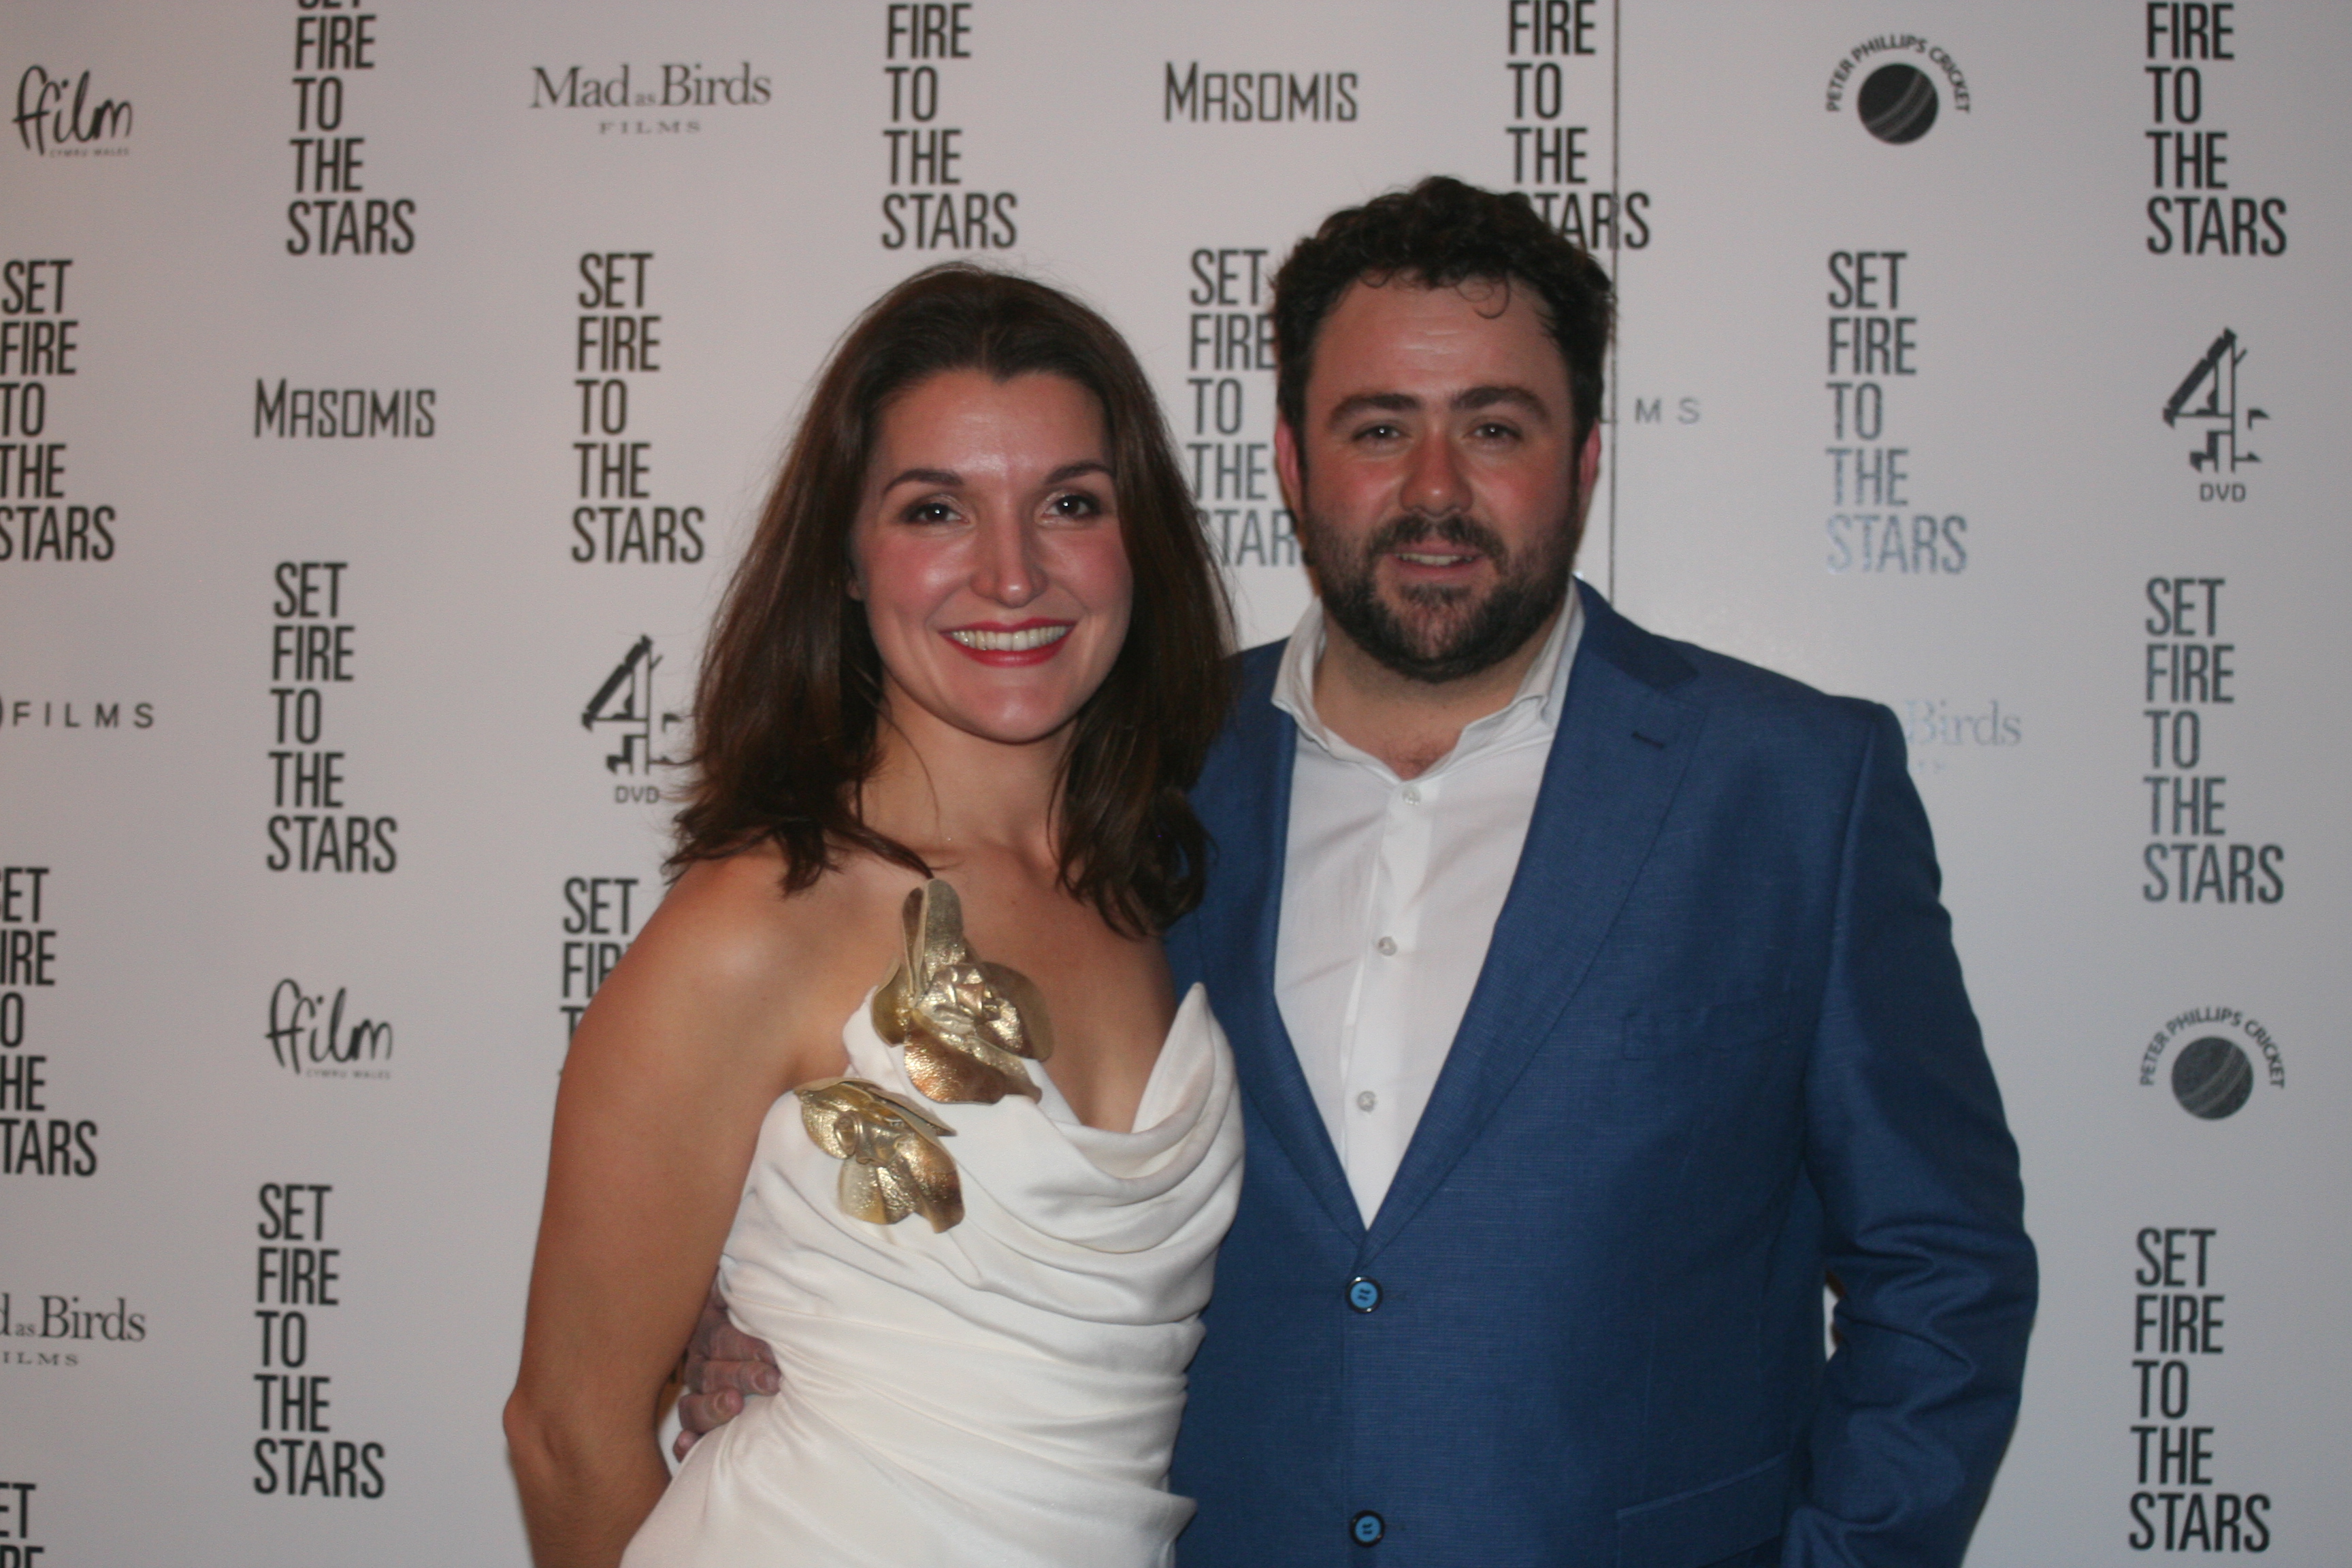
pixel 1364 1295
pixel 1367 1528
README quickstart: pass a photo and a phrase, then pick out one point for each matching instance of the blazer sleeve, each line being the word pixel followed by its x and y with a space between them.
pixel 1922 1209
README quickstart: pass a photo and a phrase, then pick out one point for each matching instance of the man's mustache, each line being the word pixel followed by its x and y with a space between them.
pixel 1455 529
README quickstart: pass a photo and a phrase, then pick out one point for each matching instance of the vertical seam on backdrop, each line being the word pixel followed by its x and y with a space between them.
pixel 1616 250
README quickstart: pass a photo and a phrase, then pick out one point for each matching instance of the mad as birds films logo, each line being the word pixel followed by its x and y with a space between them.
pixel 54 1319
pixel 1896 100
pixel 682 86
pixel 2212 1073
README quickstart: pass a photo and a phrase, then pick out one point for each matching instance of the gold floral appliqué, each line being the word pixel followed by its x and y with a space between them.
pixel 967 1025
pixel 892 1164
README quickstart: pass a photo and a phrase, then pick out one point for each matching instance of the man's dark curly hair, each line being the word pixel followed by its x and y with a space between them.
pixel 1440 233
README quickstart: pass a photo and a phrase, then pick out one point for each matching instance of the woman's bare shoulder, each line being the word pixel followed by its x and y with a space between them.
pixel 731 940
pixel 728 921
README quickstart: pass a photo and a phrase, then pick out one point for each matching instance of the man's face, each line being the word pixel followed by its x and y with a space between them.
pixel 1437 481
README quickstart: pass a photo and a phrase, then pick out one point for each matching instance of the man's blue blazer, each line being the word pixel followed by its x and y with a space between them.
pixel 1719 1048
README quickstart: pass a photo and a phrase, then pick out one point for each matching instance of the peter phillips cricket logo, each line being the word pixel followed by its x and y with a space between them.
pixel 1893 95
pixel 2213 1074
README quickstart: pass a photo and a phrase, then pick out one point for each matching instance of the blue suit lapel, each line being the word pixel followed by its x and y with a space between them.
pixel 1617 758
pixel 1251 817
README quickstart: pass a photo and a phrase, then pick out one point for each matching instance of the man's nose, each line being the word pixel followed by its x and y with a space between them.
pixel 1008 570
pixel 1435 483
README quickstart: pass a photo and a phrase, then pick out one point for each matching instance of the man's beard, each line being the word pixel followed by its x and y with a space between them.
pixel 1455 633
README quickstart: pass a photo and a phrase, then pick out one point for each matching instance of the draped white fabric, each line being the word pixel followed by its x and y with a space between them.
pixel 1005 1392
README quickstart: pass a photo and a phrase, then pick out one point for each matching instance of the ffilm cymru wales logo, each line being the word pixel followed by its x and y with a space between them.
pixel 1894 92
pixel 56 117
pixel 310 1036
pixel 2213 1051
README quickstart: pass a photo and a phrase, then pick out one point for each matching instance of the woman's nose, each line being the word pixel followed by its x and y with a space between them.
pixel 1008 570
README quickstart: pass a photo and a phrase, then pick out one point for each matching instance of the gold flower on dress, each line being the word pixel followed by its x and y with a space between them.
pixel 892 1164
pixel 966 1023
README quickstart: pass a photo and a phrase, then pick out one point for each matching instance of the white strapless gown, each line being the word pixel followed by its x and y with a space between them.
pixel 1004 1392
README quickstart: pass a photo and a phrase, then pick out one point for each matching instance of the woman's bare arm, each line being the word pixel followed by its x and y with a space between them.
pixel 688 1043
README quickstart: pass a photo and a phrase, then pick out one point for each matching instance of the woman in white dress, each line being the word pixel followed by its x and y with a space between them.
pixel 900 1054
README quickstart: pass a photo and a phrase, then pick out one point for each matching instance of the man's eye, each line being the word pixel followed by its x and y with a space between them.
pixel 1494 430
pixel 1381 432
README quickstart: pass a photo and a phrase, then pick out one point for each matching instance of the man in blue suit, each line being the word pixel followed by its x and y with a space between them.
pixel 1592 1001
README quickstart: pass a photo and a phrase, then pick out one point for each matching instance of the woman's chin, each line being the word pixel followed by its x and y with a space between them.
pixel 1022 730
pixel 1026 723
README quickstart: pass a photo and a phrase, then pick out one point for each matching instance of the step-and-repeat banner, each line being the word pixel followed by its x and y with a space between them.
pixel 385 386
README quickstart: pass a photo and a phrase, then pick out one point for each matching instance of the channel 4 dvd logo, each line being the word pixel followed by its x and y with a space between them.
pixel 628 718
pixel 2210 404
pixel 1894 98
pixel 2212 1072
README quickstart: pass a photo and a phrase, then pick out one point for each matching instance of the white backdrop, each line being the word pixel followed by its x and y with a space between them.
pixel 327 760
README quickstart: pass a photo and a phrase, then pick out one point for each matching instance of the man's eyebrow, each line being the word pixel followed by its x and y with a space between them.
pixel 1487 396
pixel 1468 400
pixel 1374 402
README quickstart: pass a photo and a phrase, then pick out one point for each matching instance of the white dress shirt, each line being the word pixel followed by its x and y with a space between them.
pixel 1389 895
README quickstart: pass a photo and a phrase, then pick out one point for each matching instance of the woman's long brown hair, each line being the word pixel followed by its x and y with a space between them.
pixel 788 708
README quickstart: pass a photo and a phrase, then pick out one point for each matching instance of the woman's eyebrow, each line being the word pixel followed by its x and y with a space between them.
pixel 941 477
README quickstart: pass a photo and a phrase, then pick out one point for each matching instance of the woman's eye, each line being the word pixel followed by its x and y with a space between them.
pixel 931 511
pixel 1077 504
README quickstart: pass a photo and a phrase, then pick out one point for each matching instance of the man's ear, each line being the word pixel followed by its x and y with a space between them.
pixel 1287 467
pixel 1587 471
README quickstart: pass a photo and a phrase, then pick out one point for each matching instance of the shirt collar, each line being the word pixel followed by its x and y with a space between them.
pixel 1535 704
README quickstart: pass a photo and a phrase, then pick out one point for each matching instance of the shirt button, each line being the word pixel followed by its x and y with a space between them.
pixel 1387 945
pixel 1367 1528
pixel 1363 1294
pixel 1367 1100
pixel 1412 795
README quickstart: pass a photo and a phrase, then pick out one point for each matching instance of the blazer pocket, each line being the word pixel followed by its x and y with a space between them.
pixel 1709 1523
pixel 1720 1027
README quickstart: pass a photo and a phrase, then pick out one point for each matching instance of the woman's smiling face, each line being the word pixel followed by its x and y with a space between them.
pixel 988 553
